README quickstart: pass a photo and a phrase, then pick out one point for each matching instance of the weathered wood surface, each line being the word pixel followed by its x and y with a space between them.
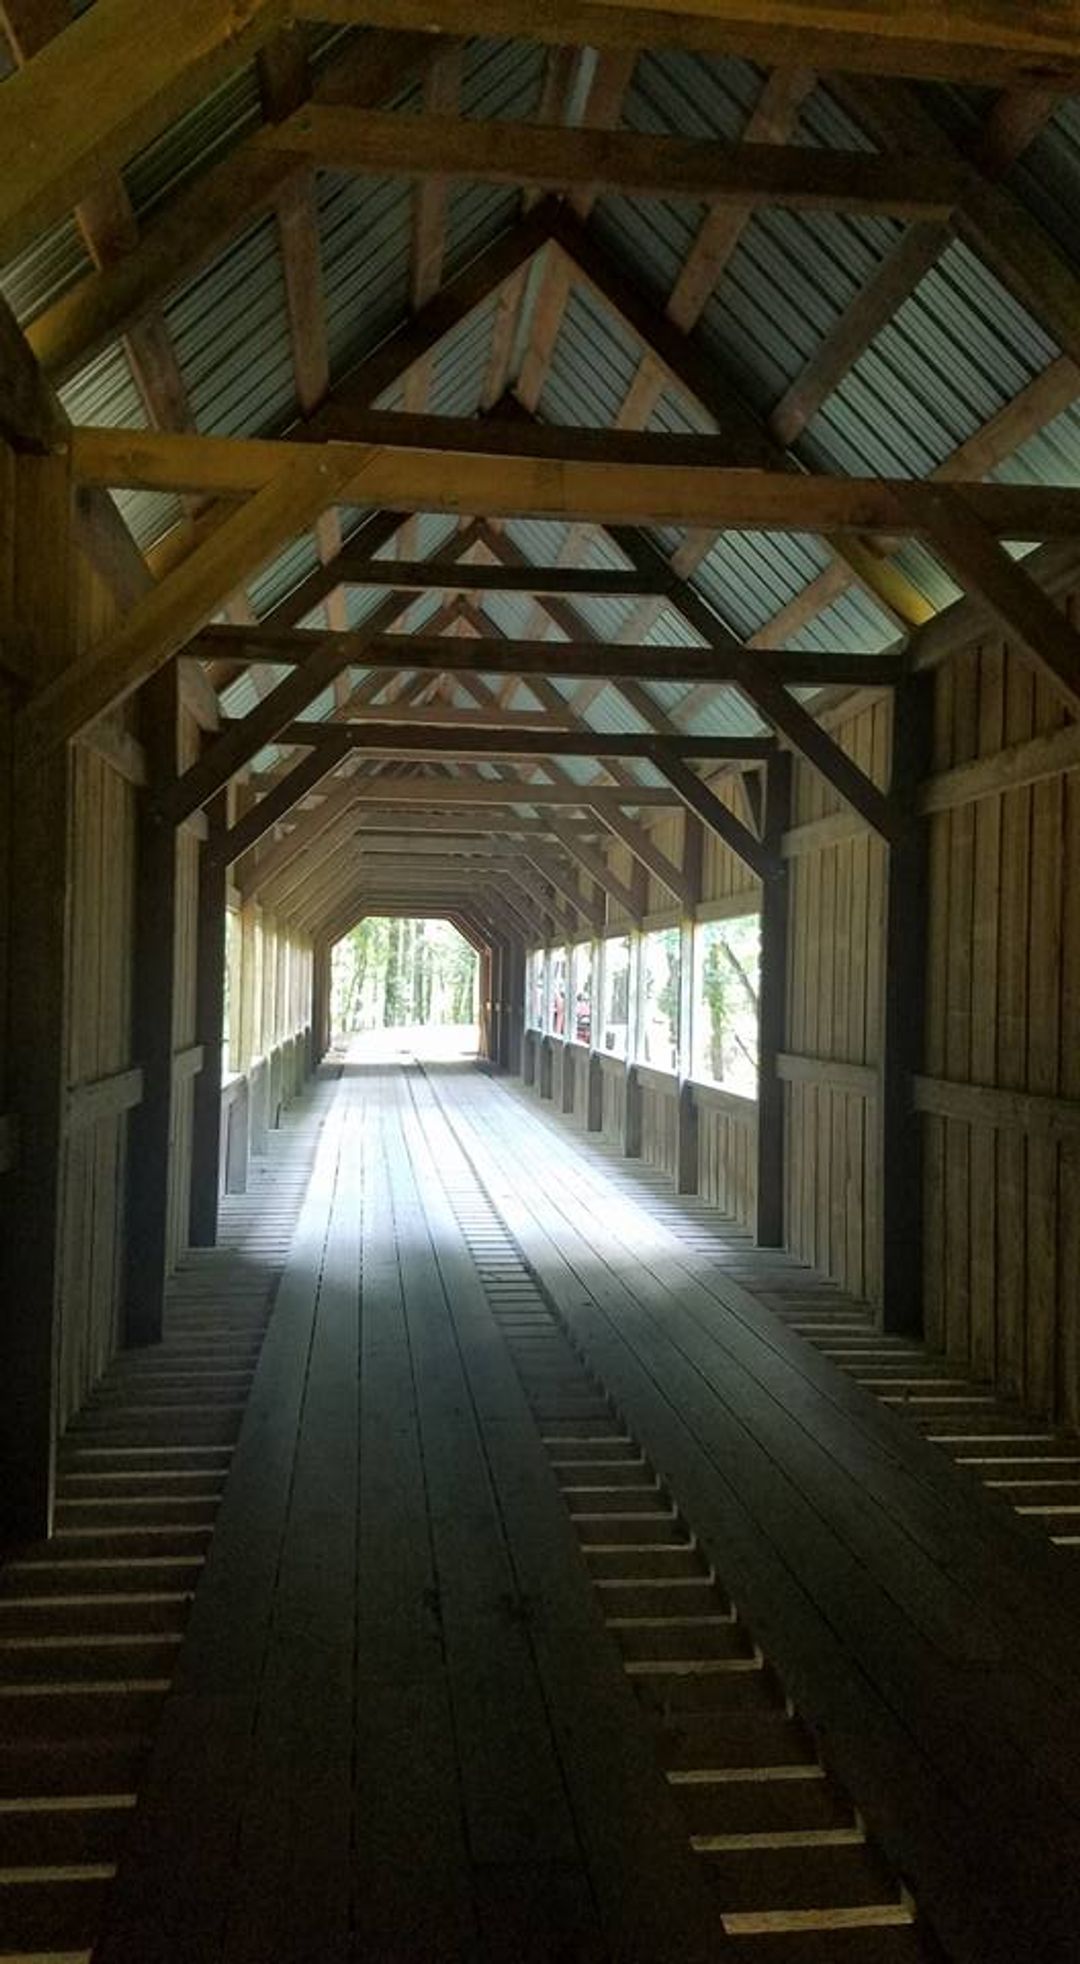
pixel 930 1636
pixel 363 1698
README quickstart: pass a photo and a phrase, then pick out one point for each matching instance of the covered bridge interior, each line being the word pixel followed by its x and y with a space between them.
pixel 595 476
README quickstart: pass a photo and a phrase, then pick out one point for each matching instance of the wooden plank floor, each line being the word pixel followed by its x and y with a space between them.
pixel 400 1728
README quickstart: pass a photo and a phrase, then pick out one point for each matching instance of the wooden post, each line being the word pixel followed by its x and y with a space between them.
pixel 210 1032
pixel 903 1017
pixel 632 1121
pixel 569 1077
pixel 150 1135
pixel 486 1031
pixel 687 1141
pixel 594 1109
pixel 772 1007
pixel 320 1003
pixel 686 1136
pixel 36 816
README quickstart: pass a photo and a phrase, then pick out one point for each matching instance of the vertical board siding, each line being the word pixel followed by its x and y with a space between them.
pixel 100 938
pixel 727 1162
pixel 660 1128
pixel 614 1105
pixel 834 1014
pixel 1002 1282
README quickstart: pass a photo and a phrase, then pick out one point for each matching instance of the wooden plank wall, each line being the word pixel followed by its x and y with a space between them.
pixel 614 1103
pixel 184 1027
pixel 1002 1243
pixel 1000 1099
pixel 727 1160
pixel 7 704
pixel 100 940
pixel 834 1015
pixel 660 1128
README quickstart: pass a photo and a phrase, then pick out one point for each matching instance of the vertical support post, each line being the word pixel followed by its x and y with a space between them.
pixel 36 817
pixel 687 1128
pixel 599 992
pixel 634 1113
pixel 772 1007
pixel 486 1031
pixel 687 1141
pixel 210 1030
pixel 150 1136
pixel 569 1077
pixel 903 1018
pixel 632 1121
pixel 320 1003
pixel 594 1108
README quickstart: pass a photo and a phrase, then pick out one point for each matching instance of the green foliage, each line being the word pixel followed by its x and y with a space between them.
pixel 728 967
pixel 391 973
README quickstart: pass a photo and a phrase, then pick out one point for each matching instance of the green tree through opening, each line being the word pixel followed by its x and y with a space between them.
pixel 390 973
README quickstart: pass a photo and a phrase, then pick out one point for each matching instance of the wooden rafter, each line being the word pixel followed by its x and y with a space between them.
pixel 778 707
pixel 1036 628
pixel 606 661
pixel 640 844
pixel 624 161
pixel 201 218
pixel 704 803
pixel 750 441
pixel 441 95
pixel 606 493
pixel 771 120
pixel 285 84
pixel 391 739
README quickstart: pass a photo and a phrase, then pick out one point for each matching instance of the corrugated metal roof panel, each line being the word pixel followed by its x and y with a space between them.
pixel 320 709
pixel 680 415
pixel 670 629
pixel 650 237
pixel 508 612
pixel 825 125
pixel 582 769
pixel 148 515
pixel 231 336
pixel 955 353
pixel 606 618
pixel 363 601
pixel 611 713
pixel 540 539
pixel 926 573
pixel 461 365
pixel 790 278
pixel 433 529
pixel 1052 456
pixel 1047 176
pixel 675 93
pixel 502 78
pixel 852 623
pixel 365 241
pixel 668 695
pixel 749 576
pixel 283 574
pixel 727 714
pixel 48 267
pixel 104 392
pixel 477 214
pixel 227 113
pixel 594 363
